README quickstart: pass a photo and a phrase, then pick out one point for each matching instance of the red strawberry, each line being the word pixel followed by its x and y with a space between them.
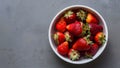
pixel 70 17
pixel 91 19
pixel 82 44
pixel 61 25
pixel 59 37
pixel 92 38
pixel 63 48
pixel 68 36
pixel 75 28
pixel 73 54
pixel 92 51
pixel 100 38
pixel 95 28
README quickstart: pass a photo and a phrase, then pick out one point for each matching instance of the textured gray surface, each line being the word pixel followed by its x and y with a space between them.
pixel 24 33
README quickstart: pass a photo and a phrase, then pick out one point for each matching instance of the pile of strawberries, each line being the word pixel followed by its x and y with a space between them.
pixel 78 33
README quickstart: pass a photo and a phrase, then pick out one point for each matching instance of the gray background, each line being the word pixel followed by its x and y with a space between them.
pixel 24 33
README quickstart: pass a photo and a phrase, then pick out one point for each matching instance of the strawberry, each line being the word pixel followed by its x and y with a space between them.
pixel 92 51
pixel 95 28
pixel 70 17
pixel 75 28
pixel 68 36
pixel 63 48
pixel 82 44
pixel 91 19
pixel 59 37
pixel 100 38
pixel 91 38
pixel 61 25
pixel 73 54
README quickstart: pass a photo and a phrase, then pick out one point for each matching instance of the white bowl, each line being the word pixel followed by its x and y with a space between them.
pixel 52 26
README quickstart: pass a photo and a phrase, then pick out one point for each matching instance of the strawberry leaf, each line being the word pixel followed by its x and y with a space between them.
pixel 85 29
pixel 55 37
pixel 67 37
pixel 82 15
pixel 87 38
pixel 88 55
pixel 74 55
pixel 102 39
pixel 68 14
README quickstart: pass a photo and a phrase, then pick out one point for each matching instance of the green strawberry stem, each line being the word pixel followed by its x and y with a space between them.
pixel 87 38
pixel 74 55
pixel 85 29
pixel 68 14
pixel 102 39
pixel 82 15
pixel 88 55
pixel 55 37
pixel 68 37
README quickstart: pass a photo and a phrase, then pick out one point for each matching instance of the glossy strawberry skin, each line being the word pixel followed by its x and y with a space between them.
pixel 70 17
pixel 95 28
pixel 91 19
pixel 75 28
pixel 81 45
pixel 61 25
pixel 92 51
pixel 63 48
pixel 59 37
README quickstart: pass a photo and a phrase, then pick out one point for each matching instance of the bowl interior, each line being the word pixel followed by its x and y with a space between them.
pixel 52 31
